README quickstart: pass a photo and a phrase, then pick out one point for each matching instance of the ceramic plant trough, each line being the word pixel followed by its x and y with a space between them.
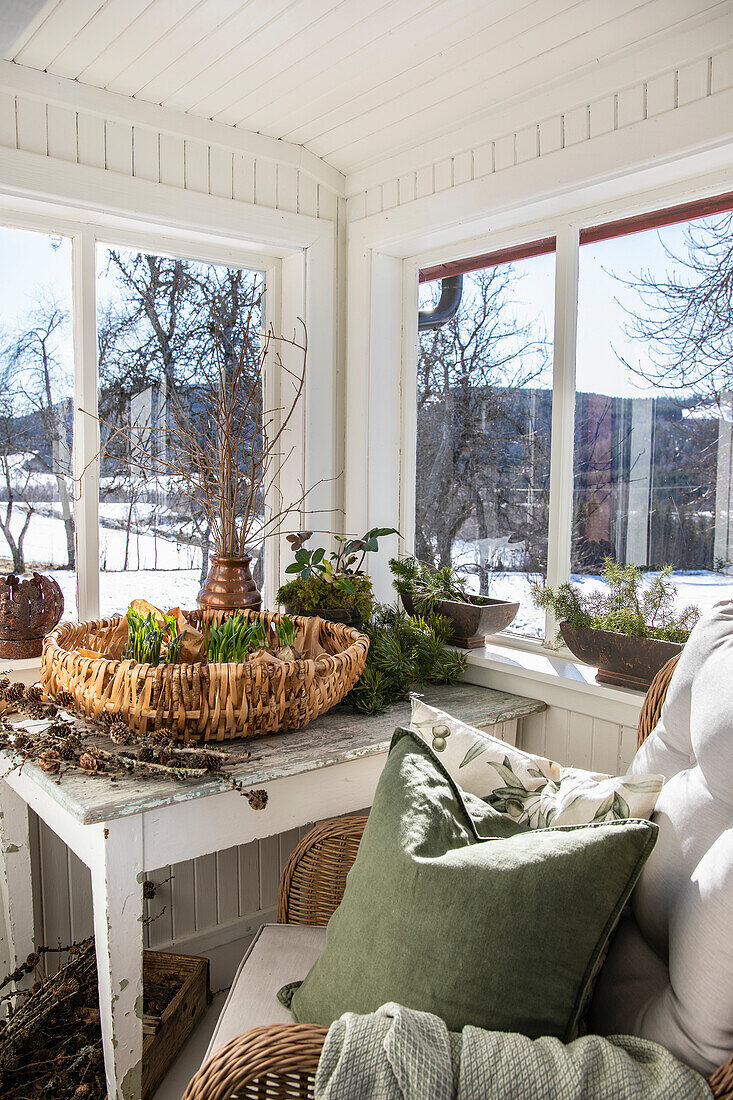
pixel 621 659
pixel 472 620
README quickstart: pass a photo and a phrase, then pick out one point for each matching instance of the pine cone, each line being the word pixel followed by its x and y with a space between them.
pixel 257 798
pixel 149 890
pixel 120 734
pixel 15 692
pixel 145 755
pixel 33 960
pixel 107 718
pixel 65 699
pixel 33 710
pixel 90 763
pixel 34 694
pixel 49 761
pixel 83 1092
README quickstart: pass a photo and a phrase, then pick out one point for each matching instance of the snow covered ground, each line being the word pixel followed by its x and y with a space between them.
pixel 167 572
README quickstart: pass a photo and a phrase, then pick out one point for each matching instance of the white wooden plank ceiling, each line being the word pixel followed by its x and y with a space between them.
pixel 354 81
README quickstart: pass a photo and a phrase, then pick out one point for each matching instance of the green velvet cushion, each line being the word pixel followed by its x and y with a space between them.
pixel 453 908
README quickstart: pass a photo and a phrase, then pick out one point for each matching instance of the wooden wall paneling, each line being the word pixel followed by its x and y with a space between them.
pixel 551 134
pixel 55 889
pixel 580 740
pixel 90 140
pixel 627 748
pixel 463 167
pixel 373 200
pixel 407 187
pixel 693 81
pixel 269 871
pixel 328 202
pixel 31 115
pixel 424 181
pixel 159 909
pixel 34 830
pixel 196 166
pixel 722 74
pixel 660 94
pixel 484 159
pixel 118 146
pixel 556 734
pixel 227 885
pixel 576 126
pixel 443 174
pixel 286 843
pixel 390 194
pixel 504 152
pixel 603 115
pixel 61 131
pixel 206 893
pixel 172 160
pixel 357 206
pixel 248 858
pixel 287 188
pixel 80 898
pixel 266 182
pixel 531 733
pixel 606 737
pixel 8 134
pixel 221 172
pixel 527 143
pixel 243 178
pixel 182 894
pixel 629 106
pixel 145 153
pixel 307 195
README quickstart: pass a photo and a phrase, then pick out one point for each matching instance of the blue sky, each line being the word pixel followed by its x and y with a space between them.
pixel 29 262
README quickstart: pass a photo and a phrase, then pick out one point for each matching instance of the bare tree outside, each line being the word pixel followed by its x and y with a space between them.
pixel 483 420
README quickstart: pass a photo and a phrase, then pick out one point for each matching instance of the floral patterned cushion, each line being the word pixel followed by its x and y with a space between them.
pixel 530 789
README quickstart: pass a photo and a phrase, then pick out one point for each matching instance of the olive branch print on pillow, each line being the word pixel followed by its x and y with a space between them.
pixel 532 790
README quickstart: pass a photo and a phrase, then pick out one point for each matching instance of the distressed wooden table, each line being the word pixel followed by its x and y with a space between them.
pixel 118 828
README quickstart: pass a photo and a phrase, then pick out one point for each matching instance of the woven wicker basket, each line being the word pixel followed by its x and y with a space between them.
pixel 201 702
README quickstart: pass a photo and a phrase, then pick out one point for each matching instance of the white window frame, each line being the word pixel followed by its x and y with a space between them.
pixel 300 284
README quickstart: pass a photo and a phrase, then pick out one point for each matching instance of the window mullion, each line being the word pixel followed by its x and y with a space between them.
pixel 86 425
pixel 563 412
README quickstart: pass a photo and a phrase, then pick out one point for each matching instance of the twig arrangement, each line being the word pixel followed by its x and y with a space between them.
pixel 65 744
pixel 225 456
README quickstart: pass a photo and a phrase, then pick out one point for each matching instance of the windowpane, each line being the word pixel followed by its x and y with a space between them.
pixel 162 322
pixel 36 409
pixel 653 459
pixel 484 409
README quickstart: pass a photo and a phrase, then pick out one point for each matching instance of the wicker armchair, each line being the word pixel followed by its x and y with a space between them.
pixel 278 1062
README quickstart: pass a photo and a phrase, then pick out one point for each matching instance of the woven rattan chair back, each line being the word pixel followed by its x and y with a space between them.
pixel 654 699
pixel 314 878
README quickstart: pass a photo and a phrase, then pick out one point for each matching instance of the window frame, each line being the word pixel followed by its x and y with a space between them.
pixel 85 237
pixel 581 226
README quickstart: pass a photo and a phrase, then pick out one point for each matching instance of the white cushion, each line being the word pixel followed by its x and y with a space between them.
pixel 683 904
pixel 530 789
pixel 279 953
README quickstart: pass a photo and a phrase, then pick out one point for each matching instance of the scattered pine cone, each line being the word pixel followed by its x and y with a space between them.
pixel 120 734
pixel 90 763
pixel 33 710
pixel 34 694
pixel 257 798
pixel 49 761
pixel 83 1092
pixel 149 890
pixel 145 755
pixel 15 692
pixel 65 699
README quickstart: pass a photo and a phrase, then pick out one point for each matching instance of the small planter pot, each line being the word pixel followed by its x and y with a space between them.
pixel 622 660
pixel 229 586
pixel 471 621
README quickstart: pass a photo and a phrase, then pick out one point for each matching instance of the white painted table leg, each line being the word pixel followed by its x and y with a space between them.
pixel 16 880
pixel 117 875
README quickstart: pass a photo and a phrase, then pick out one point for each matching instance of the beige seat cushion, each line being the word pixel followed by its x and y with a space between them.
pixel 279 953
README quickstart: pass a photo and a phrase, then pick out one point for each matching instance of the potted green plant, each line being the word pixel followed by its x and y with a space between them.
pixel 442 591
pixel 628 629
pixel 334 586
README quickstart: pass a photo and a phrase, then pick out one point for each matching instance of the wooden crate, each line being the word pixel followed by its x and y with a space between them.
pixel 180 1017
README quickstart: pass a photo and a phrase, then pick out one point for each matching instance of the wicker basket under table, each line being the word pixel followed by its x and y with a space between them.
pixel 201 702
pixel 279 1061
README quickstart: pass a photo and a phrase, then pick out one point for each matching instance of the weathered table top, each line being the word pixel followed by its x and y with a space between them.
pixel 335 737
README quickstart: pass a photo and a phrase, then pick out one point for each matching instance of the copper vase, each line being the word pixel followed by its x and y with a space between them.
pixel 229 586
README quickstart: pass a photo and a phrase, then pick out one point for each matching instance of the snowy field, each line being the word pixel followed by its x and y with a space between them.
pixel 167 572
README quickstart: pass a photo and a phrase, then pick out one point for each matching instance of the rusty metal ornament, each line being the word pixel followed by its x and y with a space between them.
pixel 29 609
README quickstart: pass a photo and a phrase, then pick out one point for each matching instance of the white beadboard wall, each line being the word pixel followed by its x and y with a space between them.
pixel 60 119
pixel 583 121
pixel 204 903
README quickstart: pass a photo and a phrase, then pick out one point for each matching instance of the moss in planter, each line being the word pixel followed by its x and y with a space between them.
pixel 304 596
